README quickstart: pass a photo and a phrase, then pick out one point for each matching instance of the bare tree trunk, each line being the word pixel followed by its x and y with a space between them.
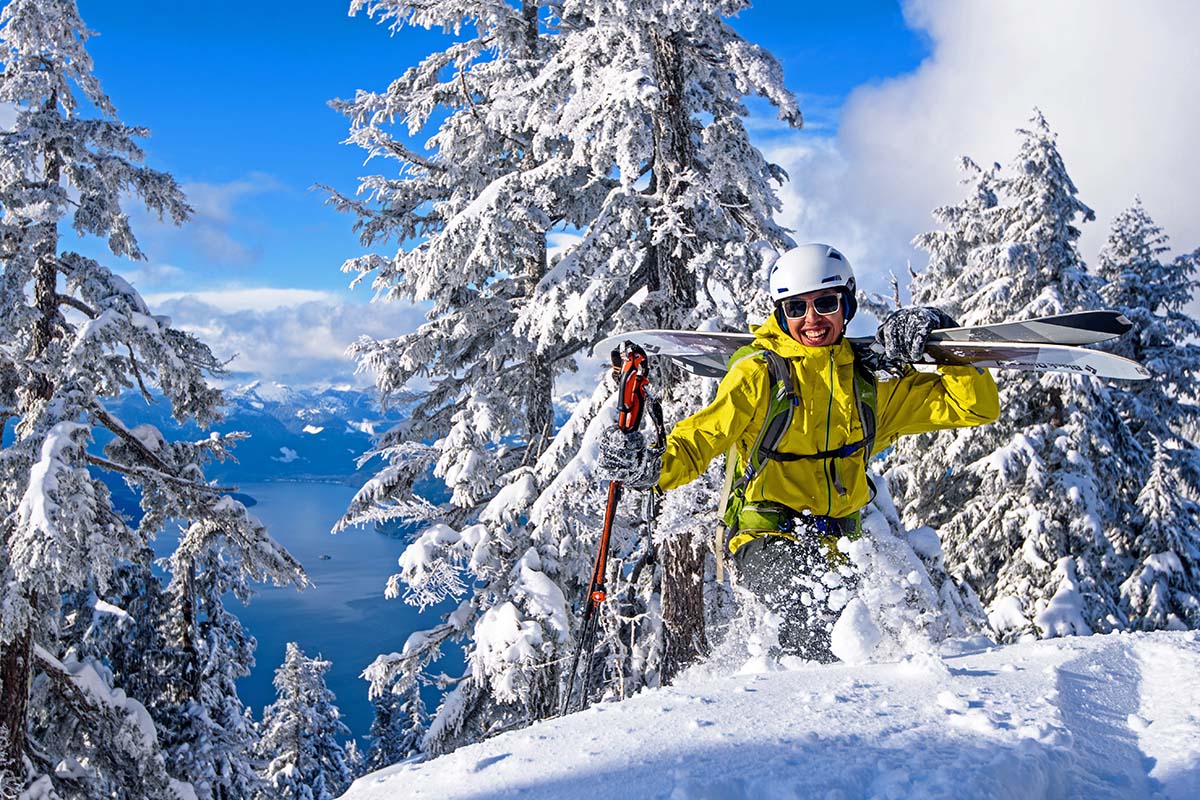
pixel 683 604
pixel 539 410
pixel 529 14
pixel 14 697
pixel 683 562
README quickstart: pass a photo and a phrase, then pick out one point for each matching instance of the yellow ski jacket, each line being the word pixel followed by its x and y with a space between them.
pixel 826 419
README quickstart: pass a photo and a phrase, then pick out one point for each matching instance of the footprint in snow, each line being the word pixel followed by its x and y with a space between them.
pixel 484 763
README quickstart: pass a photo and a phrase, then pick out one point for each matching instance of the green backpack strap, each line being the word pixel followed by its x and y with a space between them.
pixel 783 398
pixel 866 397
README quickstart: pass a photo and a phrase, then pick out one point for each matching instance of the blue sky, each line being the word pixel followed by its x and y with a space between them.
pixel 235 96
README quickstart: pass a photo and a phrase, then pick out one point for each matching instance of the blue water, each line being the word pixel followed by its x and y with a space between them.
pixel 344 616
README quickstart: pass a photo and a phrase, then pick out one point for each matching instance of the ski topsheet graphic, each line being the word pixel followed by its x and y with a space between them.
pixel 707 353
pixel 1082 327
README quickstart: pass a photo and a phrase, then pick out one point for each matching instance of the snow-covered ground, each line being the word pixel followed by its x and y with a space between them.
pixel 1114 716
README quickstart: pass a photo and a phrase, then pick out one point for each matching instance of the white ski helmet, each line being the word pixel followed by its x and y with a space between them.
pixel 810 267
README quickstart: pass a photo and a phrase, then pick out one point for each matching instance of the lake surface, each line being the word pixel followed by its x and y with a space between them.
pixel 344 616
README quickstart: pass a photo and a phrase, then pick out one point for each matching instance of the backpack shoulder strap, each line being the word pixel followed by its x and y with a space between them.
pixel 782 400
pixel 866 398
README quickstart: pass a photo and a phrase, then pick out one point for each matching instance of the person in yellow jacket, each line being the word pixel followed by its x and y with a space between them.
pixel 795 508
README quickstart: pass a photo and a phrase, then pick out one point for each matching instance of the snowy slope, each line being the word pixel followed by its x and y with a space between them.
pixel 1114 716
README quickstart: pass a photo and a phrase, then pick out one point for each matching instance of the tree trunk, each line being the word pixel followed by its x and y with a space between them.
pixel 683 563
pixel 683 604
pixel 529 14
pixel 16 658
pixel 539 401
pixel 14 697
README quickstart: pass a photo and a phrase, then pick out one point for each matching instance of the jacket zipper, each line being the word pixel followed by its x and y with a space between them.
pixel 828 425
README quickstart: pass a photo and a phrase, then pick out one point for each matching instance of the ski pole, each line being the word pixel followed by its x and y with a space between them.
pixel 632 387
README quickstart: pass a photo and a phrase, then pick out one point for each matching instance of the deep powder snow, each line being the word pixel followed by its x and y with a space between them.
pixel 1115 716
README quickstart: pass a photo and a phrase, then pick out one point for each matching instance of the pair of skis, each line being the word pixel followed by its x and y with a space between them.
pixel 1042 344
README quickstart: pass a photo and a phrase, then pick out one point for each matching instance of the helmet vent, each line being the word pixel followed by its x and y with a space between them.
pixel 836 254
pixel 832 278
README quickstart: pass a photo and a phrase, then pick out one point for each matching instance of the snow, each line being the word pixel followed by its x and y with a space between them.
pixel 1104 716
pixel 183 791
pixel 855 635
pixel 503 636
pixel 89 682
pixel 1167 722
pixel 1063 615
pixel 312 429
pixel 150 437
pixel 1167 563
pixel 38 510
pixel 1006 614
pixel 108 608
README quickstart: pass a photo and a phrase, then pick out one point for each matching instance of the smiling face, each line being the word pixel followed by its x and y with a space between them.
pixel 814 329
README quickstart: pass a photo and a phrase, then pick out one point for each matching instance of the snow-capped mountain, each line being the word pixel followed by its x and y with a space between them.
pixel 295 433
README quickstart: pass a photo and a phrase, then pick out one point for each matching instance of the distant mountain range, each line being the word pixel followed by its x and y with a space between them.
pixel 295 434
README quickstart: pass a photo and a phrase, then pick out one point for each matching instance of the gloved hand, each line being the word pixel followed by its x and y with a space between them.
pixel 905 332
pixel 626 457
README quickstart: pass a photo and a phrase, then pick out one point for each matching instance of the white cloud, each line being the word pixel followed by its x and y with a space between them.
pixel 153 274
pixel 221 231
pixel 559 242
pixel 217 202
pixel 246 299
pixel 1116 81
pixel 293 336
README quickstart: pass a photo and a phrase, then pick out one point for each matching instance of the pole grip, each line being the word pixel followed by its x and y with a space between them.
pixel 635 377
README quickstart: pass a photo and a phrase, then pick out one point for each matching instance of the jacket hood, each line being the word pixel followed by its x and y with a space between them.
pixel 770 336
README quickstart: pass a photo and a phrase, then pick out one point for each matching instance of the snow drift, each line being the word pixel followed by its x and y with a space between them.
pixel 1096 717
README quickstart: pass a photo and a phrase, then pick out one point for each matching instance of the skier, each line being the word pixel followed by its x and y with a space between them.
pixel 802 486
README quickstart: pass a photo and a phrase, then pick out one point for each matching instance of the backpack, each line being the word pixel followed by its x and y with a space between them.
pixel 736 516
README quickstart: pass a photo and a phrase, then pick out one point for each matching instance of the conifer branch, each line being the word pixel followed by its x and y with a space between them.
pixel 143 472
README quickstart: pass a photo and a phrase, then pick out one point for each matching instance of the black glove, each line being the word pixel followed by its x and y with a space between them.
pixel 626 457
pixel 905 332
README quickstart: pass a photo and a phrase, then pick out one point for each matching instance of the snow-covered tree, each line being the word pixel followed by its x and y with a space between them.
pixel 1154 294
pixel 1162 536
pixel 955 270
pixel 300 730
pixel 73 335
pixel 619 128
pixel 209 738
pixel 1028 506
pixel 469 202
pixel 397 728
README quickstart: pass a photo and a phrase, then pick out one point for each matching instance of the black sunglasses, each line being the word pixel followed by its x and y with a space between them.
pixel 825 305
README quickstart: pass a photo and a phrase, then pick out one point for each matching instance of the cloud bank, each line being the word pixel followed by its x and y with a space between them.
pixel 1116 80
pixel 292 336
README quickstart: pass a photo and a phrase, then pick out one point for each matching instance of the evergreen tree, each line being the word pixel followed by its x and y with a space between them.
pixel 621 126
pixel 1160 536
pixel 305 760
pixel 73 335
pixel 355 761
pixel 397 728
pixel 955 270
pixel 1027 507
pixel 209 739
